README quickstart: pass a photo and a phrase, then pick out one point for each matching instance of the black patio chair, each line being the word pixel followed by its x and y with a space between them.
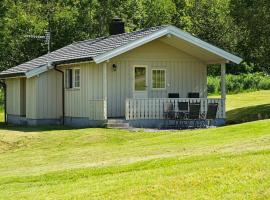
pixel 169 113
pixel 173 95
pixel 194 114
pixel 193 95
pixel 182 113
pixel 211 114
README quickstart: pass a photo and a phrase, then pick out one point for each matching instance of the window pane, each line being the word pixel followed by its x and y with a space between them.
pixel 140 78
pixel 68 77
pixel 162 79
pixel 154 77
pixel 158 79
pixel 77 78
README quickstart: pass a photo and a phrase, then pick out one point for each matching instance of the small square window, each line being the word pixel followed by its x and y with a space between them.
pixel 72 78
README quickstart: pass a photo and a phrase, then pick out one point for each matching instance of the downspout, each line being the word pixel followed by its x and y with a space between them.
pixel 4 85
pixel 63 95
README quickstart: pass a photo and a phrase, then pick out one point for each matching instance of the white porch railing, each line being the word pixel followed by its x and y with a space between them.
pixel 97 109
pixel 153 108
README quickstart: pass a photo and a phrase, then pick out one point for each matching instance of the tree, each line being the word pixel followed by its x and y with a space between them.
pixel 253 19
pixel 240 26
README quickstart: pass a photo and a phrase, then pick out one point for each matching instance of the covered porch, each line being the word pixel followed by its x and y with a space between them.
pixel 138 109
pixel 149 112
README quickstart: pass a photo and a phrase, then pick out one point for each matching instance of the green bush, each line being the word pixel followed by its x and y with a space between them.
pixel 213 85
pixel 239 83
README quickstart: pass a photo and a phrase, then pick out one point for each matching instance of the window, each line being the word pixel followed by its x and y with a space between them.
pixel 68 78
pixel 140 78
pixel 72 78
pixel 77 77
pixel 158 79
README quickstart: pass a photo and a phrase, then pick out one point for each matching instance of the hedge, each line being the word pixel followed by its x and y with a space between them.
pixel 239 83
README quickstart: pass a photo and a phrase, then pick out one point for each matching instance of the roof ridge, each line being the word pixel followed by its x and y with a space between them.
pixel 122 34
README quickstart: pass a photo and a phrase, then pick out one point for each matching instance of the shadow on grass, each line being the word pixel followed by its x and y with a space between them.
pixel 236 116
pixel 248 114
pixel 22 128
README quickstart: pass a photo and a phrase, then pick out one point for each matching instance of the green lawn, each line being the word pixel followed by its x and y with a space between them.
pixel 248 99
pixel 230 162
pixel 245 107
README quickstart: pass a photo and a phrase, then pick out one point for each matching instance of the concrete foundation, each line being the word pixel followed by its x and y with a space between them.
pixel 22 120
pixel 160 123
pixel 16 119
pixel 84 122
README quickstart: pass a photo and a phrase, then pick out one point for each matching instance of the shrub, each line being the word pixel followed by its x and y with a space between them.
pixel 239 83
pixel 213 85
pixel 264 83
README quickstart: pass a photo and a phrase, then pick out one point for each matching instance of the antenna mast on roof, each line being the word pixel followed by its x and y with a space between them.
pixel 46 37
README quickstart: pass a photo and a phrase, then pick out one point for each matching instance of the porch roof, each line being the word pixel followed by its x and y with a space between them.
pixel 104 48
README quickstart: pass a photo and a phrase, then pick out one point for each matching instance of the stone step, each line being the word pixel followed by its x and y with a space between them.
pixel 117 123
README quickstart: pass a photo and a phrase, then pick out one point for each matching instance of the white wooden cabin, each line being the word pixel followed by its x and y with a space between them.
pixel 126 75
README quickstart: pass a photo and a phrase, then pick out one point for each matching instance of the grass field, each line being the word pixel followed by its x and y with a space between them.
pixel 245 107
pixel 230 162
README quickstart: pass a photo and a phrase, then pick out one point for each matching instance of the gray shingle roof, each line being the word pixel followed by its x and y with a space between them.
pixel 86 49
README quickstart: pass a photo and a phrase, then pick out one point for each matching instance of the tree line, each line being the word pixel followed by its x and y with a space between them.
pixel 238 26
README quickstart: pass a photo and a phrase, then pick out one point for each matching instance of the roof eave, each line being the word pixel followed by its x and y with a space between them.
pixel 44 68
pixel 12 75
pixel 204 45
pixel 168 30
pixel 136 43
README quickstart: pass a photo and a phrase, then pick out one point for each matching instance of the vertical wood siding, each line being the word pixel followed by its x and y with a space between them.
pixel 31 98
pixel 184 74
pixel 44 96
pixel 49 95
pixel 16 96
pixel 78 102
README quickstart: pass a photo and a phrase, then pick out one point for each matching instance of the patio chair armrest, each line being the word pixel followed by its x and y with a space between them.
pixel 203 115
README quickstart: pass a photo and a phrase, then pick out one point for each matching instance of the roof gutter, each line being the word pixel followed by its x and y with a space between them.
pixel 63 95
pixel 52 65
pixel 12 75
pixel 43 68
pixel 71 61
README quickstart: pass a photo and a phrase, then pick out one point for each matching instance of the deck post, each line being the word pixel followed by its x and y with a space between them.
pixel 105 93
pixel 223 86
pixel 223 81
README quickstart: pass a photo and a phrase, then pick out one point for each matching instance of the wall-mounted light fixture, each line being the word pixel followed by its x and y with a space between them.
pixel 114 67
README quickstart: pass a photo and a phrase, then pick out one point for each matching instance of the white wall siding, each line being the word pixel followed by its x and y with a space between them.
pixel 78 102
pixel 184 74
pixel 120 86
pixel 49 95
pixel 44 96
pixel 16 96
pixel 31 98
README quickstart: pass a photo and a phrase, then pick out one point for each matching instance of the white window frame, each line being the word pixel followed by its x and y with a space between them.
pixel 73 78
pixel 73 84
pixel 146 76
pixel 165 79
